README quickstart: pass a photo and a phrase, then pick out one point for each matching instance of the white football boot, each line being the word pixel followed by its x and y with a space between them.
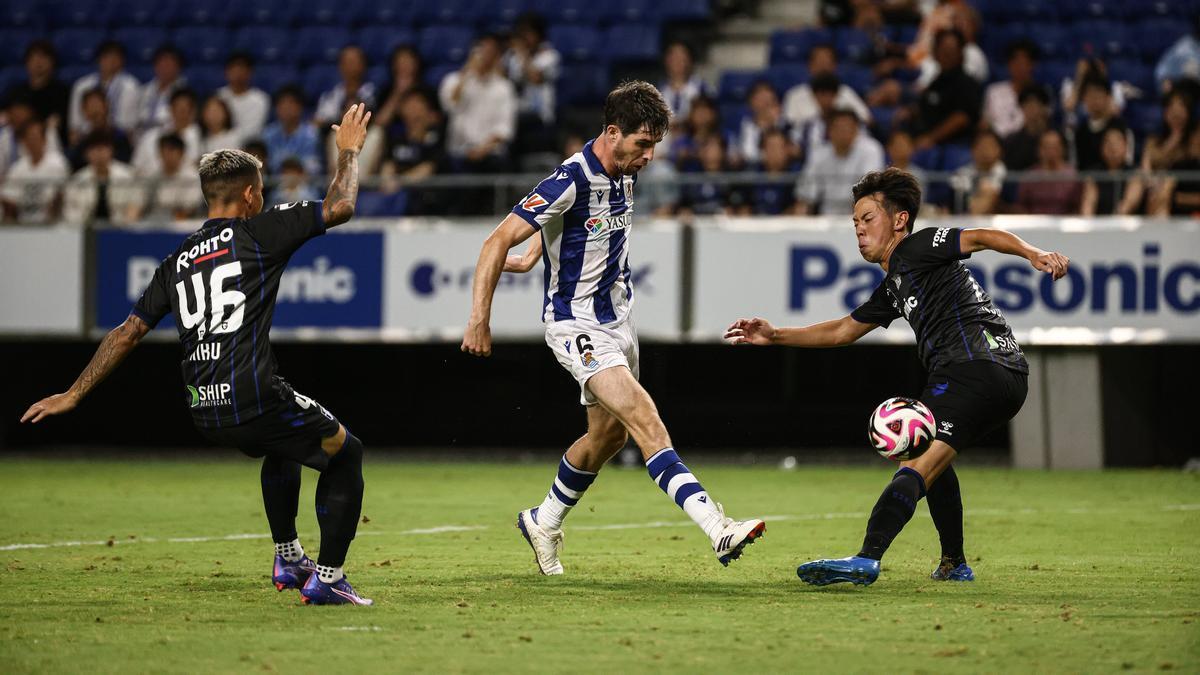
pixel 546 544
pixel 734 536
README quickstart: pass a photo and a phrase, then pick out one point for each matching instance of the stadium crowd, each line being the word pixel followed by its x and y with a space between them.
pixel 1082 107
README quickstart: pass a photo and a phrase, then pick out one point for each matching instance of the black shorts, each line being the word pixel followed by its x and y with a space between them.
pixel 972 398
pixel 292 429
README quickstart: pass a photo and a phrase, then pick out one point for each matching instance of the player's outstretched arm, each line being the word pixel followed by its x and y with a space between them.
pixel 511 231
pixel 349 137
pixel 527 261
pixel 112 350
pixel 833 333
pixel 973 240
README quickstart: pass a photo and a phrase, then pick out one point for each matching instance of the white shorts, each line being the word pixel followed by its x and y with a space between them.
pixel 585 348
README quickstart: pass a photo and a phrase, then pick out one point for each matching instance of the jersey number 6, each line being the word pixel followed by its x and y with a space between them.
pixel 220 300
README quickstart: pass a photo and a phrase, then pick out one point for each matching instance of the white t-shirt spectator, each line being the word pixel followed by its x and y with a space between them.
pixel 146 160
pixel 220 141
pixel 679 99
pixel 172 195
pixel 154 103
pixel 799 105
pixel 332 104
pixel 125 195
pixel 123 93
pixel 535 99
pixel 827 177
pixel 486 109
pixel 32 188
pixel 249 110
pixel 1001 109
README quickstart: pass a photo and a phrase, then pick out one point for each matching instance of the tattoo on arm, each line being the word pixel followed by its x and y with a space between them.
pixel 343 191
pixel 112 350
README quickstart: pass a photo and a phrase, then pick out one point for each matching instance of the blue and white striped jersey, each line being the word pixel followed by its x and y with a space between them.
pixel 584 216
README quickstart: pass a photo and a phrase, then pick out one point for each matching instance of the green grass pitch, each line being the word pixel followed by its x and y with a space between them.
pixel 1077 572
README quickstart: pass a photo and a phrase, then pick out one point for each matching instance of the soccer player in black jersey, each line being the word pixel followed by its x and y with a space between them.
pixel 977 373
pixel 220 285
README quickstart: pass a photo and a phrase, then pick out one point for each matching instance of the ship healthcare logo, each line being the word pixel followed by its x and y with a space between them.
pixel 209 395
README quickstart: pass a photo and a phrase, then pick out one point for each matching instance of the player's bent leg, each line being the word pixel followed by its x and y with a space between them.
pixel 541 526
pixel 339 506
pixel 892 512
pixel 281 496
pixel 620 393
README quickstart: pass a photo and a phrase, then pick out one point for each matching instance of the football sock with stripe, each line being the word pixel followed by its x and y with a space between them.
pixel 339 504
pixel 669 472
pixel 945 506
pixel 565 492
pixel 892 512
pixel 281 497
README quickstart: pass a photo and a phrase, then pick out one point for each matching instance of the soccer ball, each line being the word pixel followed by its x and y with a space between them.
pixel 901 428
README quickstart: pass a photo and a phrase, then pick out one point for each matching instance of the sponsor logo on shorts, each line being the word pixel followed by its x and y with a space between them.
pixel 946 427
pixel 589 361
pixel 210 395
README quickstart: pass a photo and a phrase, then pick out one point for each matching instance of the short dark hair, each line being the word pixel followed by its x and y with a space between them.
pixel 680 43
pixel 241 57
pixel 291 164
pixel 1034 91
pixel 772 133
pixel 635 105
pixel 531 21
pixel 110 46
pixel 827 83
pixel 98 137
pixel 1093 81
pixel 986 133
pixel 182 92
pixel 173 141
pixel 290 91
pixel 41 46
pixel 761 84
pixel 950 32
pixel 839 113
pixel 1022 46
pixel 900 189
pixel 821 45
pixel 225 173
pixel 95 92
pixel 167 50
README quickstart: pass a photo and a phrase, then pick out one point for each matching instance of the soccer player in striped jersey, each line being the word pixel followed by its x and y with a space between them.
pixel 583 213
pixel 220 285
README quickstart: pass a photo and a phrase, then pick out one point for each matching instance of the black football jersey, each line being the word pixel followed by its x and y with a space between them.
pixel 221 285
pixel 953 317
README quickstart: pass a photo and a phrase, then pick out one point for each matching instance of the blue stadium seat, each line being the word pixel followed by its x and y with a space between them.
pixel 735 85
pixel 202 44
pixel 1031 11
pixel 327 13
pixel 858 77
pixel 141 42
pixel 1144 117
pixel 582 84
pixel 570 11
pixel 1107 38
pixel 1050 39
pixel 992 10
pixel 435 74
pixel 199 13
pixel 380 76
pixel 272 76
pixel 793 46
pixel 731 117
pixel 74 71
pixel 10 75
pixel 1168 8
pixel 1052 73
pixel 1134 72
pixel 462 12
pixel 379 41
pixel 632 10
pixel 633 42
pixel 1091 9
pixel 853 45
pixel 576 43
pixel 883 117
pixel 954 156
pixel 93 14
pixel 266 44
pixel 682 10
pixel 505 12
pixel 130 13
pixel 784 77
pixel 902 34
pixel 388 14
pixel 929 159
pixel 13 42
pixel 23 14
pixel 372 204
pixel 205 79
pixel 273 13
pixel 1157 34
pixel 319 79
pixel 445 44
pixel 321 44
pixel 142 72
pixel 995 40
pixel 77 45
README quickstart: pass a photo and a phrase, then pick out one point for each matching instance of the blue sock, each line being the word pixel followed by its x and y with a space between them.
pixel 675 479
pixel 565 492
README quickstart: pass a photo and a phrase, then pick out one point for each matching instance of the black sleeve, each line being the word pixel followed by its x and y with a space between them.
pixel 155 302
pixel 932 246
pixel 878 309
pixel 283 229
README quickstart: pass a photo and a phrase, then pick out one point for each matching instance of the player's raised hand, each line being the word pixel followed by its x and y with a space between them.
pixel 478 339
pixel 756 331
pixel 1054 264
pixel 51 405
pixel 352 132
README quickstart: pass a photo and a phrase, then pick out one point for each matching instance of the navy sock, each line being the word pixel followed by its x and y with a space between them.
pixel 339 502
pixel 281 497
pixel 945 506
pixel 892 512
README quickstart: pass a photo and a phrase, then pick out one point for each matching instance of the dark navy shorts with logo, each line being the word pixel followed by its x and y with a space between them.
pixel 291 429
pixel 971 398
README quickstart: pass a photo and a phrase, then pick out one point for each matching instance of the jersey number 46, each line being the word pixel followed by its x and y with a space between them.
pixel 220 300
